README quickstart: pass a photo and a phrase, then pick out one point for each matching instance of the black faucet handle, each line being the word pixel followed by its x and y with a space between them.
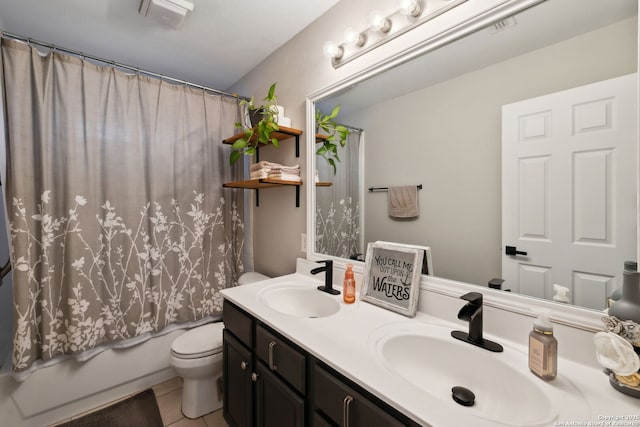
pixel 473 297
pixel 328 267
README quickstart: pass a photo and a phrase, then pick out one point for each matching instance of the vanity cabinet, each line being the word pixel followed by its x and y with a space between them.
pixel 343 405
pixel 237 385
pixel 270 382
pixel 264 376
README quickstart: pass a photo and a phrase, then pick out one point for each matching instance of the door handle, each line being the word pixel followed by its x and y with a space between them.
pixel 512 250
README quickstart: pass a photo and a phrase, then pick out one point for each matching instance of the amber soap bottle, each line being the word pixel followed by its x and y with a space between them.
pixel 349 286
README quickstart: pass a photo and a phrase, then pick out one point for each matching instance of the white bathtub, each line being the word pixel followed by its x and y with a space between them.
pixel 70 387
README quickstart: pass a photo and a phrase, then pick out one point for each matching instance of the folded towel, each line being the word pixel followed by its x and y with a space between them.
pixel 285 176
pixel 264 165
pixel 403 201
pixel 259 174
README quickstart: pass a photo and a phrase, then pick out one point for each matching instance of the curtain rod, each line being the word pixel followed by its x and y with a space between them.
pixel 112 63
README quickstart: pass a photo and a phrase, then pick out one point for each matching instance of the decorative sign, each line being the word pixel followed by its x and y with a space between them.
pixel 392 277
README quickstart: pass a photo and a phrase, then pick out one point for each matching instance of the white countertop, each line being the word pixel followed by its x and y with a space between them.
pixel 345 341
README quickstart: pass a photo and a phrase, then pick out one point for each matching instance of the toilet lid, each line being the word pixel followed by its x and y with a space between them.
pixel 200 341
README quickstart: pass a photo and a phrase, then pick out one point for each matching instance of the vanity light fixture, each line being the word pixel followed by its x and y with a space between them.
pixel 378 22
pixel 410 8
pixel 353 37
pixel 332 51
pixel 381 29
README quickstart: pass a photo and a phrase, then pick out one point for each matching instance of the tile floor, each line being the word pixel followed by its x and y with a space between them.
pixel 169 398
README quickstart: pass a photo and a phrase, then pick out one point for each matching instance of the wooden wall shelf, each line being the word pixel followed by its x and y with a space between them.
pixel 281 135
pixel 257 184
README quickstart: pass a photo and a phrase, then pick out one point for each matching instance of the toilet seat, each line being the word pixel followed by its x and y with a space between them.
pixel 201 341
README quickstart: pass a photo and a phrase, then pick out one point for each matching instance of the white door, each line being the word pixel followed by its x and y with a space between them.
pixel 569 190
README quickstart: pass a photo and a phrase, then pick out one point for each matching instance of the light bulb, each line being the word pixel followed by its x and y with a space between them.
pixel 353 37
pixel 331 50
pixel 378 22
pixel 410 7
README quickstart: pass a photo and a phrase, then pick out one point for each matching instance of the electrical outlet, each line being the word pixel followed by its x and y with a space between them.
pixel 303 242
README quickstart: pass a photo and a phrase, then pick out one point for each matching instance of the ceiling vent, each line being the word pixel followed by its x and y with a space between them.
pixel 167 12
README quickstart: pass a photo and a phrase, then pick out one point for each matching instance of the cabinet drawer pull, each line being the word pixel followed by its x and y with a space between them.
pixel 346 403
pixel 243 365
pixel 254 377
pixel 272 346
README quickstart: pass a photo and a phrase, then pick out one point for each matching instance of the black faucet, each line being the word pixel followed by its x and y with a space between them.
pixel 472 313
pixel 328 277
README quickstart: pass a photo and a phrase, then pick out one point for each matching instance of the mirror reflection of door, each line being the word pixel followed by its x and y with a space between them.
pixel 568 190
pixel 338 203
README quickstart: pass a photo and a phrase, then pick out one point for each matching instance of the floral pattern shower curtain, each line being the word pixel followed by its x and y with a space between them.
pixel 119 223
pixel 338 230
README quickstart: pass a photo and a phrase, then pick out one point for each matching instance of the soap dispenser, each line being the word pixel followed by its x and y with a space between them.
pixel 349 286
pixel 543 348
pixel 628 306
pixel 617 293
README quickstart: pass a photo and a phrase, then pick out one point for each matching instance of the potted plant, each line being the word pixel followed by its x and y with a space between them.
pixel 326 123
pixel 260 132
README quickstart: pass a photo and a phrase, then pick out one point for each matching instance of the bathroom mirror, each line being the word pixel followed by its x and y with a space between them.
pixel 436 121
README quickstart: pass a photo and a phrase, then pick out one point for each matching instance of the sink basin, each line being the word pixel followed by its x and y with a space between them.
pixel 299 301
pixel 428 358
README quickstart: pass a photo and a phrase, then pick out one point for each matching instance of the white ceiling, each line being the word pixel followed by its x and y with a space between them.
pixel 220 42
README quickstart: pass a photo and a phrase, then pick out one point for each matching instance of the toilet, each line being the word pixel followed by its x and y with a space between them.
pixel 196 356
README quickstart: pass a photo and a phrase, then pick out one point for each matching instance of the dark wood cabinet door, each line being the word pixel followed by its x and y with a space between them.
pixel 237 395
pixel 277 405
pixel 346 407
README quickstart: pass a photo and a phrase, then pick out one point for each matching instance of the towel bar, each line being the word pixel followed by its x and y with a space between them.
pixel 372 189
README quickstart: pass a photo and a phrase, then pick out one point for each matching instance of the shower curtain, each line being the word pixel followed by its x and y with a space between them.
pixel 338 228
pixel 119 223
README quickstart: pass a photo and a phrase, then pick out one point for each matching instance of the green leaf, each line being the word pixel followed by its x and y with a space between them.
pixel 332 163
pixel 321 151
pixel 233 158
pixel 239 144
pixel 271 94
pixel 275 142
pixel 335 111
pixel 250 151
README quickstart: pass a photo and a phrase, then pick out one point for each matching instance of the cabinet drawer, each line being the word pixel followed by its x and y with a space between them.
pixel 281 358
pixel 238 322
pixel 347 407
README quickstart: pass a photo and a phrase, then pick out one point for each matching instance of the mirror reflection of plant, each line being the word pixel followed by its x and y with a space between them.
pixel 261 133
pixel 326 123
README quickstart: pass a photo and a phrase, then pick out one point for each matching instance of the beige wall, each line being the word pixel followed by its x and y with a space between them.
pixel 299 68
pixel 447 138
